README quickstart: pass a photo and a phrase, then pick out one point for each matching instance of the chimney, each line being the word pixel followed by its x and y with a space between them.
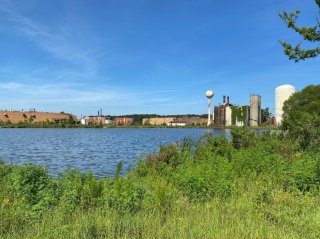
pixel 228 100
pixel 224 99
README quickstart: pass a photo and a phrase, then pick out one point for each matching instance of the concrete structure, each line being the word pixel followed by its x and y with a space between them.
pixel 255 110
pixel 223 113
pixel 228 114
pixel 219 115
pixel 157 121
pixel 123 121
pixel 209 95
pixel 95 120
pixel 282 93
pixel 178 123
pixel 35 117
pixel 170 120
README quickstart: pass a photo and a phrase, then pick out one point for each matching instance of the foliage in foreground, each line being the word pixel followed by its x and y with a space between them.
pixel 249 187
pixel 309 34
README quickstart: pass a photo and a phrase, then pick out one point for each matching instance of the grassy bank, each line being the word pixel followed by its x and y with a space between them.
pixel 250 187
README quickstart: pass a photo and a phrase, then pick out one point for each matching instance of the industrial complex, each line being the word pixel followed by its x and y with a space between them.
pixel 228 114
pixel 223 115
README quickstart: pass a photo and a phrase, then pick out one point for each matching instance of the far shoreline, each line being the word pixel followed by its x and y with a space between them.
pixel 78 126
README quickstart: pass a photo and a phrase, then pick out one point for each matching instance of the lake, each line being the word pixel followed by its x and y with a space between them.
pixel 95 150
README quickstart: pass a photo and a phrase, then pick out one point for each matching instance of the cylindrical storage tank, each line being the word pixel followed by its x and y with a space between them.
pixel 282 93
pixel 255 110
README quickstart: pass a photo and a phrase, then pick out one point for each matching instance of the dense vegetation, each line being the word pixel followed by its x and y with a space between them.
pixel 250 187
pixel 302 117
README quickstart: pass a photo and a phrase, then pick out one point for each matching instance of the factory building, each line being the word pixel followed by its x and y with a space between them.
pixel 228 114
pixel 123 121
pixel 223 113
pixel 282 93
pixel 95 120
pixel 171 121
pixel 183 121
pixel 157 121
pixel 255 110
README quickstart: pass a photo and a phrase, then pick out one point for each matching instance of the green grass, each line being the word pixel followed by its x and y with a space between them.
pixel 250 187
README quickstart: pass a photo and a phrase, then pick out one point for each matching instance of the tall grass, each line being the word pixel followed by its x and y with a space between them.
pixel 249 187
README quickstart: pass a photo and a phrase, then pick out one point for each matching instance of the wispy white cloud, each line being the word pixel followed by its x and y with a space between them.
pixel 79 100
pixel 58 41
pixel 57 93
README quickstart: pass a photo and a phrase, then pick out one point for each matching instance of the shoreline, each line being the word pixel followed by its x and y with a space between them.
pixel 78 126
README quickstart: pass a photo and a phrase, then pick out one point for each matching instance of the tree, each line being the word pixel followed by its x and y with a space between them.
pixel 265 115
pixel 301 117
pixel 310 34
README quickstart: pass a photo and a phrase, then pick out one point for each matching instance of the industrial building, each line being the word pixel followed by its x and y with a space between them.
pixel 32 116
pixel 171 121
pixel 157 121
pixel 123 121
pixel 222 113
pixel 95 120
pixel 282 93
pixel 228 114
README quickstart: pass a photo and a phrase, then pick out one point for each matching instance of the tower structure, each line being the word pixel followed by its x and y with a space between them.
pixel 255 110
pixel 209 95
pixel 282 93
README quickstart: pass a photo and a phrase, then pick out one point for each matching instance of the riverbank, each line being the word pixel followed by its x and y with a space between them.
pixel 250 187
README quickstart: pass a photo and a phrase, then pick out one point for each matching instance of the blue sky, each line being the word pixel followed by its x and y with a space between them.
pixel 146 56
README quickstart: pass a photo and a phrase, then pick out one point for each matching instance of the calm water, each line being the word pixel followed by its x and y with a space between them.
pixel 95 150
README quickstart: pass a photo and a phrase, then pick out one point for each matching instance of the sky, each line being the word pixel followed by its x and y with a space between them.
pixel 146 56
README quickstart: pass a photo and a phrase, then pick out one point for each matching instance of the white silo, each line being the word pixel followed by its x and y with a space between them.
pixel 255 110
pixel 282 93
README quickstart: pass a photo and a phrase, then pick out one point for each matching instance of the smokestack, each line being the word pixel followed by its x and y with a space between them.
pixel 228 100
pixel 224 99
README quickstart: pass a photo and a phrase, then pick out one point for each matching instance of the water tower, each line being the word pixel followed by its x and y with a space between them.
pixel 209 95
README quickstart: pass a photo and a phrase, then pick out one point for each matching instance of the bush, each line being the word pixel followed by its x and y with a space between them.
pixel 242 137
pixel 301 117
pixel 124 195
pixel 32 184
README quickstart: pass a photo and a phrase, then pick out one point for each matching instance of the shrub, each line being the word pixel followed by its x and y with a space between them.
pixel 124 195
pixel 301 117
pixel 242 137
